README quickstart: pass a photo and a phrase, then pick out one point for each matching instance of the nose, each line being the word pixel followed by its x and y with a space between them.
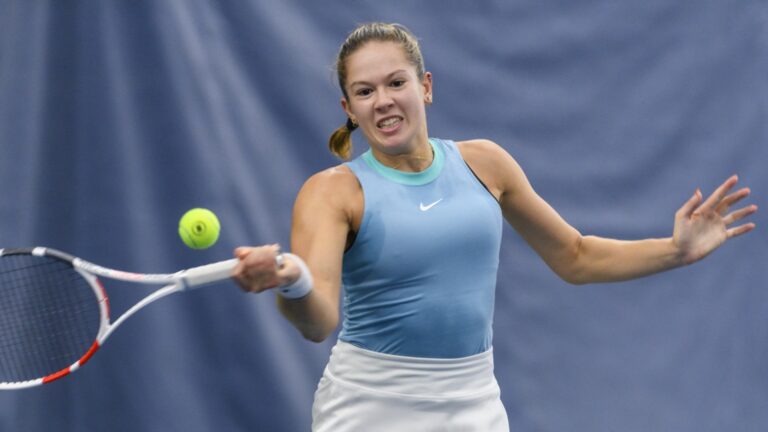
pixel 383 100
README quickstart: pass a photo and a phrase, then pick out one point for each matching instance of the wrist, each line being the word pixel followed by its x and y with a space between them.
pixel 302 286
pixel 677 253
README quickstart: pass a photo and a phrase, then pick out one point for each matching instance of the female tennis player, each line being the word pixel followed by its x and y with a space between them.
pixel 411 229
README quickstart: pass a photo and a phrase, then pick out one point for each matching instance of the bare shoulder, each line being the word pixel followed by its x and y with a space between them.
pixel 485 154
pixel 495 167
pixel 479 148
pixel 332 181
pixel 333 189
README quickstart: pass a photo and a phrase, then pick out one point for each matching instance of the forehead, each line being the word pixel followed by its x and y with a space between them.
pixel 376 59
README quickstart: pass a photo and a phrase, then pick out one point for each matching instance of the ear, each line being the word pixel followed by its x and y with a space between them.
pixel 426 82
pixel 347 109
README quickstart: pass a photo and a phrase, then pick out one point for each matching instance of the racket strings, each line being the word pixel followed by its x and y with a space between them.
pixel 49 316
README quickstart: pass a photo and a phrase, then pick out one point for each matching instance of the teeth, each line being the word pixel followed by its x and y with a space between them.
pixel 389 122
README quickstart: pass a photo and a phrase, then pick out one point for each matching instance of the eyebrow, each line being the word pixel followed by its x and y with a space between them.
pixel 386 77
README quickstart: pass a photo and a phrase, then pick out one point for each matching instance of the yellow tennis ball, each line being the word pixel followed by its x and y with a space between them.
pixel 199 228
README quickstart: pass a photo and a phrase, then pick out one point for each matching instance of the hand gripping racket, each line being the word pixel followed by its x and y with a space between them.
pixel 54 311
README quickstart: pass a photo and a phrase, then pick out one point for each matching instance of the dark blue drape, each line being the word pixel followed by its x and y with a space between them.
pixel 116 117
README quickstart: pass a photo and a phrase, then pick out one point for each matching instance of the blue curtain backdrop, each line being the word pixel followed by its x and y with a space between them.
pixel 117 116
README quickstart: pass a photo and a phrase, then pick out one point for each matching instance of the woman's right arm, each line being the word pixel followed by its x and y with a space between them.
pixel 323 216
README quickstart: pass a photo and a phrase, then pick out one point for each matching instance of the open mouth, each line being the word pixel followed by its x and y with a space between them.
pixel 389 123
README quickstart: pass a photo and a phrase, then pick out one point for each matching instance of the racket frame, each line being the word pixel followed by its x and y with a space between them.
pixel 173 282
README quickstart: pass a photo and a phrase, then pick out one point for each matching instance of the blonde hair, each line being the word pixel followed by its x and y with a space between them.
pixel 340 142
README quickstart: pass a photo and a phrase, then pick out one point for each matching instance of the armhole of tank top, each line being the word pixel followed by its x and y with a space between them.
pixel 455 148
pixel 466 164
pixel 480 181
pixel 352 235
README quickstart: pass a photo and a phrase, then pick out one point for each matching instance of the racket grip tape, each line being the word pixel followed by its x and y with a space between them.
pixel 209 273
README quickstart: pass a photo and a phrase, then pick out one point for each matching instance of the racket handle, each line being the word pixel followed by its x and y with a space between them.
pixel 209 273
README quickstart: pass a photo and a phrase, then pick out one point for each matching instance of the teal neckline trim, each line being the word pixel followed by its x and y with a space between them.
pixel 409 178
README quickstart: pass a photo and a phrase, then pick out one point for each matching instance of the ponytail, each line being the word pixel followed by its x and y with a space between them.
pixel 340 142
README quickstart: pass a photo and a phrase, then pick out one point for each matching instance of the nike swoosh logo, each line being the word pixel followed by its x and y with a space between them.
pixel 423 207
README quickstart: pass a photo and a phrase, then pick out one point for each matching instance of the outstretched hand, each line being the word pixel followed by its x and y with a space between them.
pixel 701 228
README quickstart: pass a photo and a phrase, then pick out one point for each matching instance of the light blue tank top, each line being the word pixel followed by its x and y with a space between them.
pixel 420 278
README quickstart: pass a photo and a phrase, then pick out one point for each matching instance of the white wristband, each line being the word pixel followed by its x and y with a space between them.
pixel 302 286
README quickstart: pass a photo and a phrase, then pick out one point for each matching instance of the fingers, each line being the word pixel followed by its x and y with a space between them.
pixel 732 199
pixel 257 269
pixel 729 218
pixel 719 193
pixel 739 230
pixel 690 206
pixel 739 214
pixel 242 252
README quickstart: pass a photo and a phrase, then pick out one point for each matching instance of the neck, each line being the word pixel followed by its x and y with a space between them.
pixel 416 160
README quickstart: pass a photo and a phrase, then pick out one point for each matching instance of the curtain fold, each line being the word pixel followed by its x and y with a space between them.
pixel 116 117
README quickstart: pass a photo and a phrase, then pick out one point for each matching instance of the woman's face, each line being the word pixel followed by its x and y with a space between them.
pixel 387 98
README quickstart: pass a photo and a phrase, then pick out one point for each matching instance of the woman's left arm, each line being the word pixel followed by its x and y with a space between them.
pixel 700 226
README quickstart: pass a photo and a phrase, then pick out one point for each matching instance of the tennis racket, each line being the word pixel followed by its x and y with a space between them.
pixel 54 311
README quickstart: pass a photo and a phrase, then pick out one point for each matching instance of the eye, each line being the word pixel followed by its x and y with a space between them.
pixel 363 92
pixel 399 82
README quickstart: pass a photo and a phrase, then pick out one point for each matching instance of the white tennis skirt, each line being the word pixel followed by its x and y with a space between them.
pixel 363 390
